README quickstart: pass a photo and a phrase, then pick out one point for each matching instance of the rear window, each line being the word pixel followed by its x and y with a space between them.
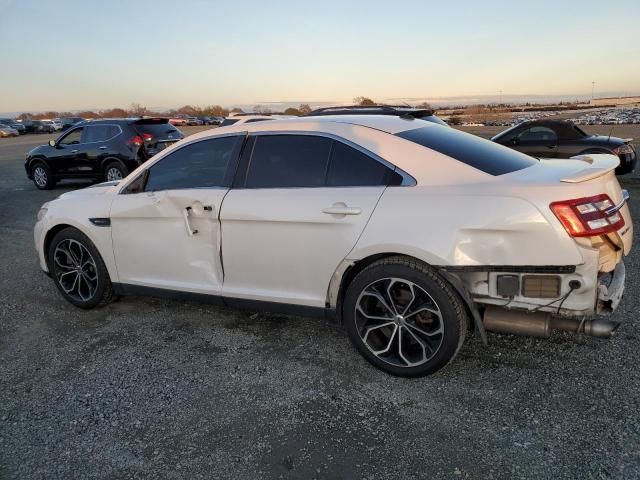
pixel 158 130
pixel 476 152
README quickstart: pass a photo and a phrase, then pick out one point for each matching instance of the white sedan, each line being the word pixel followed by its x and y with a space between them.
pixel 409 232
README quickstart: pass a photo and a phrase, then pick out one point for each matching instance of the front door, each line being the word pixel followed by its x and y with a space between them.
pixel 298 211
pixel 65 153
pixel 165 224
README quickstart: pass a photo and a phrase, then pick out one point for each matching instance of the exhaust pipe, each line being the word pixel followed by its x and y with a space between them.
pixel 540 324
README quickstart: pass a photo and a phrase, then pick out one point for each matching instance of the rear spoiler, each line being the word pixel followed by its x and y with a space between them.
pixel 599 165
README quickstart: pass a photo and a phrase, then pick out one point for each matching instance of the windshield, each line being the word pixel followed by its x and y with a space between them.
pixel 487 156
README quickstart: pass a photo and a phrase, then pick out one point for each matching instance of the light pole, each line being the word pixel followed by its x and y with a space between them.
pixel 593 85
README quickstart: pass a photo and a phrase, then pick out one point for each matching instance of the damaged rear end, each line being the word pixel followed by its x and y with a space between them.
pixel 582 199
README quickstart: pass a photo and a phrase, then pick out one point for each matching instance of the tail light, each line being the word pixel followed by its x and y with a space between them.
pixel 623 149
pixel 147 137
pixel 135 141
pixel 590 216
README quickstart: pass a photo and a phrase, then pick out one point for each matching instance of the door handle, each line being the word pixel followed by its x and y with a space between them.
pixel 102 147
pixel 74 151
pixel 342 209
pixel 551 147
pixel 185 213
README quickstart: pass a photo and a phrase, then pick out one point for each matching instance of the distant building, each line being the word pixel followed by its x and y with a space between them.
pixel 599 102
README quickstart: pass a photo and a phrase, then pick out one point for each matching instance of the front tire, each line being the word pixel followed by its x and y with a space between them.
pixel 42 176
pixel 78 270
pixel 404 318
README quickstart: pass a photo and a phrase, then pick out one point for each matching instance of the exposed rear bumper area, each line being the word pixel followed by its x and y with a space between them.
pixel 610 290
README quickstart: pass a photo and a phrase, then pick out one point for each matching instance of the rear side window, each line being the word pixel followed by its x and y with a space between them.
pixel 288 161
pixel 100 133
pixel 350 167
pixel 160 131
pixel 476 152
pixel 198 165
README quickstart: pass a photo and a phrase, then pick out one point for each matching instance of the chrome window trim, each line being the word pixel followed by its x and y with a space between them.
pixel 407 179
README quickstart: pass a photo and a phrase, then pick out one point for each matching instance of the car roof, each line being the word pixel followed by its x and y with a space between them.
pixel 385 123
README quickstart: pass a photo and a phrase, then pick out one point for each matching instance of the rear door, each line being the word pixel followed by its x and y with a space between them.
pixel 96 147
pixel 298 206
pixel 165 225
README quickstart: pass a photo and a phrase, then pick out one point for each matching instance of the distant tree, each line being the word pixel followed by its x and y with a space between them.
pixel 237 110
pixel 138 110
pixel 215 110
pixel 424 105
pixel 455 120
pixel 188 110
pixel 25 116
pixel 292 111
pixel 364 101
pixel 304 108
pixel 113 113
pixel 85 114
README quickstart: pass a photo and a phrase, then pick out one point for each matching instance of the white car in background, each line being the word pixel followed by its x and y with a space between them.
pixel 240 118
pixel 7 131
pixel 409 232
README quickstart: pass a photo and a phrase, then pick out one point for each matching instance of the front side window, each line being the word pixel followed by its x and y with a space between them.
pixel 484 155
pixel 72 138
pixel 288 161
pixel 537 134
pixel 198 165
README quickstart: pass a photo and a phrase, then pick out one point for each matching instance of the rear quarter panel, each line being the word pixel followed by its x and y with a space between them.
pixel 455 226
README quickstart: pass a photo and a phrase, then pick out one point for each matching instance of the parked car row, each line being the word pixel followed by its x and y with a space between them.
pixel 408 231
pixel 187 120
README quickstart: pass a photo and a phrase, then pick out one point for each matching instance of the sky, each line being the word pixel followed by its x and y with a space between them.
pixel 76 54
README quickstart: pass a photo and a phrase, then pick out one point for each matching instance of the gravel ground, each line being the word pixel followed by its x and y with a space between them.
pixel 149 388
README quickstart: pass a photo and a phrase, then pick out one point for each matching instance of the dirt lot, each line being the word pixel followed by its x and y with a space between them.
pixel 149 388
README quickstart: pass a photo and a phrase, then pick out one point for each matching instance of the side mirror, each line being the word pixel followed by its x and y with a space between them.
pixel 52 143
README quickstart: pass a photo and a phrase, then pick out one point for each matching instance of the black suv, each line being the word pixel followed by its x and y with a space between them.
pixel 398 110
pixel 99 150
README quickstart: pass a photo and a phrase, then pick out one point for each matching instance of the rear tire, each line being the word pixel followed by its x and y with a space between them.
pixel 42 176
pixel 404 318
pixel 78 270
pixel 114 171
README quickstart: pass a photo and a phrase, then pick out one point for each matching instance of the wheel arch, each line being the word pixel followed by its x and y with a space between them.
pixel 35 159
pixel 111 159
pixel 348 270
pixel 99 236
